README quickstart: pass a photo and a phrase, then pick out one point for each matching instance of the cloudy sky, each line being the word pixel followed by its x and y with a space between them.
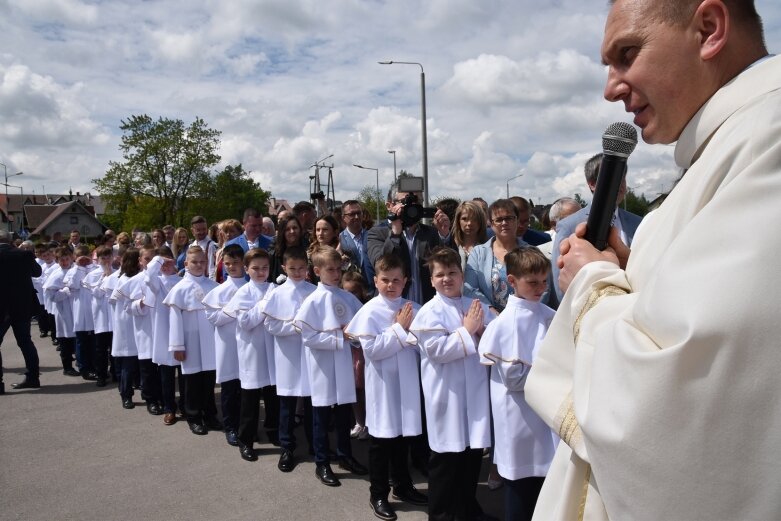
pixel 512 87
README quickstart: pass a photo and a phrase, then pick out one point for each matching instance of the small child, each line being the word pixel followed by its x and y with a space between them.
pixel 139 293
pixel 292 381
pixel 160 276
pixel 455 389
pixel 322 319
pixel 352 281
pixel 83 324
pixel 392 385
pixel 524 444
pixel 227 357
pixel 101 311
pixel 255 348
pixel 191 338
pixel 56 291
pixel 123 341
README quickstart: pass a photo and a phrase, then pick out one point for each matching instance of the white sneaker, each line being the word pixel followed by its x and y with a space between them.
pixel 356 431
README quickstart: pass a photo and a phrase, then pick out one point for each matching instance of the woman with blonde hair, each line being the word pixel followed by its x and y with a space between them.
pixel 179 247
pixel 469 229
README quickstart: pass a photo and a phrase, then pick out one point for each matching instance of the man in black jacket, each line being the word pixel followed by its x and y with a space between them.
pixel 17 268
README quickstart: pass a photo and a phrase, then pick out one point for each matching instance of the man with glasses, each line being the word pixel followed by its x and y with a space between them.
pixel 353 242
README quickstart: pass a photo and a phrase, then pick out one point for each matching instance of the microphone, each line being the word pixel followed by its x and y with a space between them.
pixel 618 141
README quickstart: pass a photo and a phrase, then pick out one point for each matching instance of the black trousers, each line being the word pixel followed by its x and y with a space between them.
pixel 127 369
pixel 287 422
pixel 342 419
pixel 67 351
pixel 520 497
pixel 21 330
pixel 102 353
pixel 230 401
pixel 85 351
pixel 387 454
pixel 168 387
pixel 452 485
pixel 150 381
pixel 199 396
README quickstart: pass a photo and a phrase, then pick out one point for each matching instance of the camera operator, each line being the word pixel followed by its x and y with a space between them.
pixel 404 235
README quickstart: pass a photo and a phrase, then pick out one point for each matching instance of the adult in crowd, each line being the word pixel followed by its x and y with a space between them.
pixel 625 222
pixel 169 230
pixel 180 245
pixel 289 234
pixel 353 242
pixel 18 303
pixel 486 275
pixel 252 236
pixel 200 230
pixel 268 229
pixel 306 214
pixel 525 232
pixel 660 369
pixel 158 238
pixel 413 243
pixel 469 229
pixel 74 240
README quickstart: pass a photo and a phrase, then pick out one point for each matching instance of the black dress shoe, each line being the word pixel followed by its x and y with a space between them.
pixel 286 461
pixel 248 453
pixel 382 509
pixel 197 428
pixel 213 423
pixel 71 372
pixel 27 383
pixel 232 437
pixel 127 403
pixel 326 475
pixel 350 464
pixel 410 495
pixel 44 335
pixel 89 376
pixel 153 409
pixel 101 382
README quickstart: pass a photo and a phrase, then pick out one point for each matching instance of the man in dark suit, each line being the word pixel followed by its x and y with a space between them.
pixel 412 243
pixel 353 241
pixel 17 298
pixel 626 222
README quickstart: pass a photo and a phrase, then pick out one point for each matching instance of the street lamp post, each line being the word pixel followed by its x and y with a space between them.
pixel 5 173
pixel 394 165
pixel 424 140
pixel 508 182
pixel 376 171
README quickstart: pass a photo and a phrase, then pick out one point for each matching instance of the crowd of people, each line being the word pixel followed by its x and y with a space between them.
pixel 370 330
pixel 653 370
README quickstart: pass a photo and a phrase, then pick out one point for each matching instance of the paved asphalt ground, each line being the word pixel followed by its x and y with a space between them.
pixel 69 451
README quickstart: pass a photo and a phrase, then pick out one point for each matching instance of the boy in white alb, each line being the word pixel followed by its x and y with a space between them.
pixel 524 444
pixel 191 338
pixel 227 357
pixel 254 346
pixel 143 327
pixel 83 324
pixel 322 319
pixel 123 340
pixel 392 385
pixel 45 258
pixel 292 380
pixel 101 311
pixel 60 301
pixel 455 389
pixel 160 276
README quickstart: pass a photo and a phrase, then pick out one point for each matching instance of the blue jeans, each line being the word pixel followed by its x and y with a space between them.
pixel 21 329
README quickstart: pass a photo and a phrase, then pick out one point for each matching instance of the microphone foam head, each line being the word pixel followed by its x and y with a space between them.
pixel 619 139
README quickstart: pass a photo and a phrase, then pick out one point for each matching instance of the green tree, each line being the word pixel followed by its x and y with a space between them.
pixel 164 164
pixel 228 194
pixel 634 204
pixel 369 198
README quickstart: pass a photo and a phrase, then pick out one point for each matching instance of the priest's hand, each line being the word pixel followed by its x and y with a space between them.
pixel 404 316
pixel 473 320
pixel 576 252
pixel 179 356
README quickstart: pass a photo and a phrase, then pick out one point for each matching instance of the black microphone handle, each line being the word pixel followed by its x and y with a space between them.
pixel 603 205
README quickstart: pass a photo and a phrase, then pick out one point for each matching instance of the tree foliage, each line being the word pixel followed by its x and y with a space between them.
pixel 634 204
pixel 369 199
pixel 228 194
pixel 164 165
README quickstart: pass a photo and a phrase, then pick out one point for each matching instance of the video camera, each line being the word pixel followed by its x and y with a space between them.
pixel 413 211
